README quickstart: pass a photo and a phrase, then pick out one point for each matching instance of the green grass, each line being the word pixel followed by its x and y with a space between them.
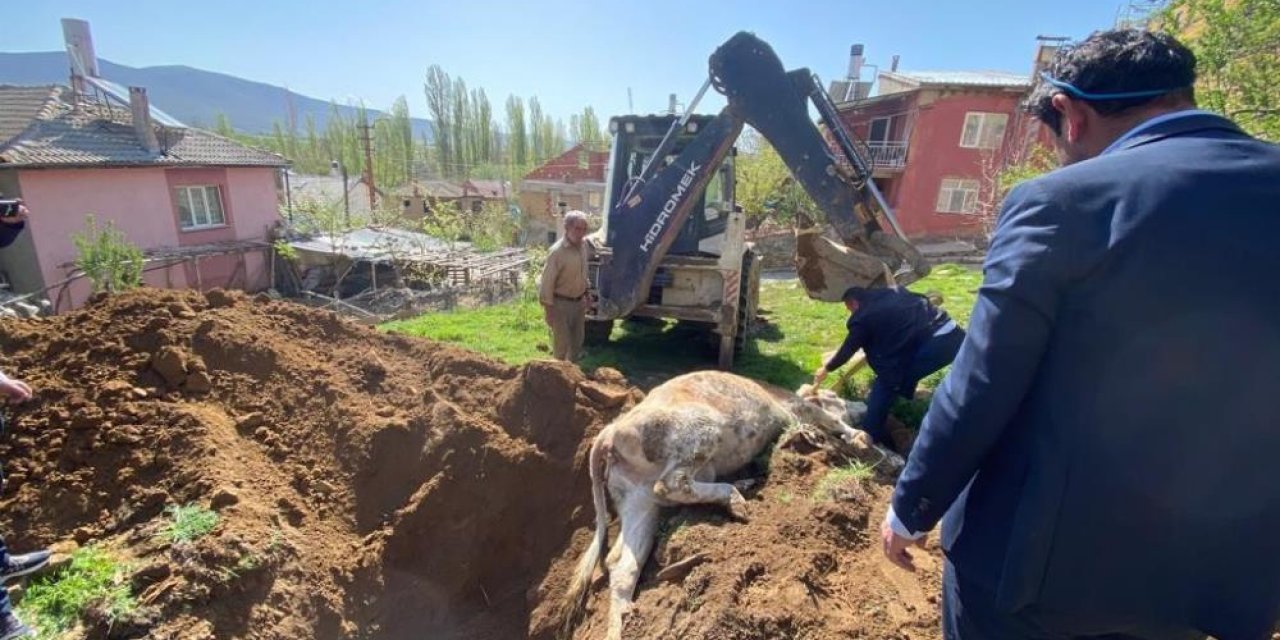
pixel 53 605
pixel 785 352
pixel 840 476
pixel 189 523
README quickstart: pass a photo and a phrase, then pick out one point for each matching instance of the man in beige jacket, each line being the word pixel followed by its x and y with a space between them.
pixel 563 290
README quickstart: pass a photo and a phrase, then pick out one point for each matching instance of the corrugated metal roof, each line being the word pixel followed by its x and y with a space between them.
pixel 377 245
pixel 962 78
pixel 441 189
pixel 58 133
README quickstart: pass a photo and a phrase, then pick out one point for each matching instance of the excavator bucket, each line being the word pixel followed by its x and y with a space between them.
pixel 827 268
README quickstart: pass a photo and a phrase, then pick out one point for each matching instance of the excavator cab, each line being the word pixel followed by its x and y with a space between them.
pixel 707 250
pixel 635 139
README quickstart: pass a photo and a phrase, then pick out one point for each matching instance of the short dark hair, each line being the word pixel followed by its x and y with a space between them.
pixel 853 293
pixel 1117 61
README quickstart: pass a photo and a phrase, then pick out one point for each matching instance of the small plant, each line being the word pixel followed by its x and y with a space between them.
pixel 94 579
pixel 284 249
pixel 835 478
pixel 107 258
pixel 189 523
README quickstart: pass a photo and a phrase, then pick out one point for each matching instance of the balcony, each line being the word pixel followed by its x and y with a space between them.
pixel 887 155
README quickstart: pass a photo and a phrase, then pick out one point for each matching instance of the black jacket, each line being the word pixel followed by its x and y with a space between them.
pixel 890 325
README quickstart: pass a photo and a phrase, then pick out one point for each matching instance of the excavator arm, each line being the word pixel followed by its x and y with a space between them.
pixel 652 210
pixel 775 102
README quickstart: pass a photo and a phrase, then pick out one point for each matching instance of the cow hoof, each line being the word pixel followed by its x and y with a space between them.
pixel 738 507
pixel 859 440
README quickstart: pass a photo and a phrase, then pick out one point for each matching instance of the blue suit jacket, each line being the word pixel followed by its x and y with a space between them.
pixel 1107 445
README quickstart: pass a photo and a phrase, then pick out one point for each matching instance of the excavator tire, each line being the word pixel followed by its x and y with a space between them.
pixel 748 300
pixel 596 332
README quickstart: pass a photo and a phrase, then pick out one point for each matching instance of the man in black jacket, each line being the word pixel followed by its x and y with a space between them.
pixel 905 337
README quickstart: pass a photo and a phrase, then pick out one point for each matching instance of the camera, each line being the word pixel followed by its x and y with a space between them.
pixel 9 208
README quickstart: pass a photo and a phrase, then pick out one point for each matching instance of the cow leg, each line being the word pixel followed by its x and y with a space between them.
pixel 679 487
pixel 639 516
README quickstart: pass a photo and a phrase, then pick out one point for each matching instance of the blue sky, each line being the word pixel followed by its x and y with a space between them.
pixel 570 54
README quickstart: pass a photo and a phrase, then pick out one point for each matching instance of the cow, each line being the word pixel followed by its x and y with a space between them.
pixel 669 450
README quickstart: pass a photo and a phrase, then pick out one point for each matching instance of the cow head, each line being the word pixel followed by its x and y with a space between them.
pixel 827 411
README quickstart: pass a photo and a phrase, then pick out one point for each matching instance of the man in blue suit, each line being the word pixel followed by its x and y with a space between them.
pixel 1105 447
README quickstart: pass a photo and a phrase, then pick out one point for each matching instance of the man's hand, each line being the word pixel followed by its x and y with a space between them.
pixel 818 377
pixel 895 547
pixel 17 218
pixel 15 390
pixel 546 314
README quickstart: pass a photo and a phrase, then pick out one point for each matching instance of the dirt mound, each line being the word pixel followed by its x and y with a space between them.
pixel 368 485
pixel 807 565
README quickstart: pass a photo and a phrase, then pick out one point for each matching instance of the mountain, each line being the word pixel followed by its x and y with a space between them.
pixel 194 96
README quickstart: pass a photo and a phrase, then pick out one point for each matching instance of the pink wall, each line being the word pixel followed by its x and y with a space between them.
pixel 935 153
pixel 139 201
pixel 935 123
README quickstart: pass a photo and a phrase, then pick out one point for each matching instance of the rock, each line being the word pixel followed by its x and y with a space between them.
pixel 199 382
pixel 150 574
pixel 609 375
pixel 604 396
pixel 221 298
pixel 171 364
pixel 250 421
pixel 224 498
pixel 676 571
pixel 115 388
pixel 139 392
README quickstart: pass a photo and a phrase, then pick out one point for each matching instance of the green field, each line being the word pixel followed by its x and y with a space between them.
pixel 788 346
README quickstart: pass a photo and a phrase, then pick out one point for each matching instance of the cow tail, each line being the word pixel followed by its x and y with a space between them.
pixel 576 596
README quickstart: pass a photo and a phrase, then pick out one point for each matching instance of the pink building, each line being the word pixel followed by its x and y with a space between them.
pixel 937 140
pixel 198 204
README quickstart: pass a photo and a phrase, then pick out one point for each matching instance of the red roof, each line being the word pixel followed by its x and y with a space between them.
pixel 568 166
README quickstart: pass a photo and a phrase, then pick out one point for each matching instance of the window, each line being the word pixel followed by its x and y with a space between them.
pixel 593 200
pixel 584 159
pixel 983 130
pixel 958 196
pixel 408 203
pixel 477 206
pixel 199 208
pixel 878 131
pixel 553 201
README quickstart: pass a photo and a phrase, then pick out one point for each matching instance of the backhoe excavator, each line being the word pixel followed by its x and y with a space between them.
pixel 672 243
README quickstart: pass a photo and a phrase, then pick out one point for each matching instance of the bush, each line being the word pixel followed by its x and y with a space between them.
pixel 107 258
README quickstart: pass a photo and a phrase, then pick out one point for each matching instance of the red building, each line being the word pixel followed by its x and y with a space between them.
pixel 937 139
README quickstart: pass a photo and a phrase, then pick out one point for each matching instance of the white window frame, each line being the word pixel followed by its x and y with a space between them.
pixel 958 195
pixel 204 218
pixel 985 128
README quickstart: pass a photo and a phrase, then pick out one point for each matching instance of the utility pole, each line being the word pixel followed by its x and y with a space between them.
pixel 368 162
pixel 346 190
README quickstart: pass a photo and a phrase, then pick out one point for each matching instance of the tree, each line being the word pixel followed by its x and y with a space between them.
pixel 222 126
pixel 439 93
pixel 765 187
pixel 107 258
pixel 1237 46
pixel 517 132
pixel 537 140
pixel 587 130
